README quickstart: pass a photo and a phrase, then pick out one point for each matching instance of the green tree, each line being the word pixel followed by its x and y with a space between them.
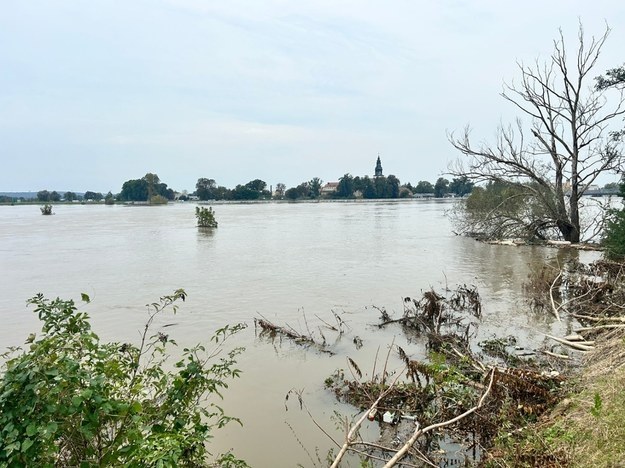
pixel 314 186
pixel 424 187
pixel 70 196
pixel 614 233
pixel 367 188
pixel 152 181
pixel 461 186
pixel 43 195
pixel 299 192
pixel 441 187
pixel 97 196
pixel 134 190
pixel 345 188
pixel 73 400
pixel 392 187
pixel 205 189
pixel 379 183
pixel 55 196
pixel 222 193
pixel 243 192
pixel 109 199
pixel 257 185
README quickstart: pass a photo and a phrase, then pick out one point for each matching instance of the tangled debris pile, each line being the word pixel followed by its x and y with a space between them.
pixel 460 402
pixel 478 392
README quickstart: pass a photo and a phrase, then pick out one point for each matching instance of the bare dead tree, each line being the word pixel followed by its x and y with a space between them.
pixel 570 144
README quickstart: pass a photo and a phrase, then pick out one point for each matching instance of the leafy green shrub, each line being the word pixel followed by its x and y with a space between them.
pixel 205 217
pixel 71 400
pixel 614 234
pixel 46 209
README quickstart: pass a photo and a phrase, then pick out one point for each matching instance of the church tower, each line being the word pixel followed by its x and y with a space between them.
pixel 378 168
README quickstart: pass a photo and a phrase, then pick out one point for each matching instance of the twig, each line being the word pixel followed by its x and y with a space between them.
pixel 349 439
pixel 599 319
pixel 555 355
pixel 598 327
pixel 553 302
pixel 419 432
pixel 419 455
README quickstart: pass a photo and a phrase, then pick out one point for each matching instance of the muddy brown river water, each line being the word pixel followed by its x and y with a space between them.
pixel 293 264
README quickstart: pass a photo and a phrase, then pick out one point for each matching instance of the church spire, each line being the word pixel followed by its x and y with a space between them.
pixel 378 168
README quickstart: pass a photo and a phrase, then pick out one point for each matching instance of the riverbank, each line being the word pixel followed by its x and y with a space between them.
pixel 586 427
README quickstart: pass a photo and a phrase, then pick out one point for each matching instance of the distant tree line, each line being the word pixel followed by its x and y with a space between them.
pixel 151 189
pixel 348 187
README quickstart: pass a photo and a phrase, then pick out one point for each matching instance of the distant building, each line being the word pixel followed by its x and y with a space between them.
pixel 378 168
pixel 329 188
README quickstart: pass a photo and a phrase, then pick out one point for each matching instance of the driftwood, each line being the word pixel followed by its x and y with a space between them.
pixel 599 319
pixel 555 355
pixel 553 302
pixel 272 330
pixel 598 327
pixel 351 435
pixel 580 346
pixel 419 432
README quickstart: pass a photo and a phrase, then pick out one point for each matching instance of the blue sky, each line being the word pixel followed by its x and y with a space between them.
pixel 93 93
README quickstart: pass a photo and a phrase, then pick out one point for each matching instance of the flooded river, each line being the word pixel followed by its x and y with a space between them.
pixel 293 264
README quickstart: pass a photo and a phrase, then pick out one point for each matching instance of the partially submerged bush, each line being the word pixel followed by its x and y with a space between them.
pixel 46 209
pixel 71 400
pixel 205 217
pixel 158 200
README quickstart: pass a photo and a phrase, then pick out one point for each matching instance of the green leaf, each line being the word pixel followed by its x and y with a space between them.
pixel 31 429
pixel 85 298
pixel 135 407
pixel 26 444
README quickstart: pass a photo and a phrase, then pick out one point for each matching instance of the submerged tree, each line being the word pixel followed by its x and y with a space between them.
pixel 46 209
pixel 570 145
pixel 205 217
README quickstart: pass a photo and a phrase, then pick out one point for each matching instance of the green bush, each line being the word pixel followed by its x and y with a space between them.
pixel 614 235
pixel 46 209
pixel 205 217
pixel 71 400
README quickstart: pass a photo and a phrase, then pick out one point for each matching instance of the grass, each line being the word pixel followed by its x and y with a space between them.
pixel 585 429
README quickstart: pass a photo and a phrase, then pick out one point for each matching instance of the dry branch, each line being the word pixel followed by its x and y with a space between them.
pixel 419 432
pixel 572 344
pixel 351 435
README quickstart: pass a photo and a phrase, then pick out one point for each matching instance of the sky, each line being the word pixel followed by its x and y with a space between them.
pixel 94 93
